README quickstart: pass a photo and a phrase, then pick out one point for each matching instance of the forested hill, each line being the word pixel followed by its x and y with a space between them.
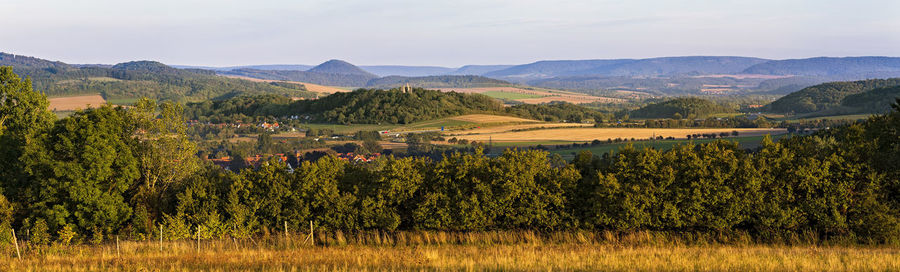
pixel 139 79
pixel 825 97
pixel 875 101
pixel 367 106
pixel 684 107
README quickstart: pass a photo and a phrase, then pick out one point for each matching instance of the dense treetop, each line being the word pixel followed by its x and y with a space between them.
pixel 678 108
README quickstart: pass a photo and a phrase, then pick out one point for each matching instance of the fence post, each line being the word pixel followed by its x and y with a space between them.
pixel 16 241
pixel 117 247
pixel 160 238
pixel 312 235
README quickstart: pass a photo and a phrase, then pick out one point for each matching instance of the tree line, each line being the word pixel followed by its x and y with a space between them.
pixel 116 171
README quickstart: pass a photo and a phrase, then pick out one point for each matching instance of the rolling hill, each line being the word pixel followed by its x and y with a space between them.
pixel 137 79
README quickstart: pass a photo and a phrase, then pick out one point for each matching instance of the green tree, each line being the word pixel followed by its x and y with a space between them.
pixel 82 169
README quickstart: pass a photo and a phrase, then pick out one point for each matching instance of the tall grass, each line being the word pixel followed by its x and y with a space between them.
pixel 491 250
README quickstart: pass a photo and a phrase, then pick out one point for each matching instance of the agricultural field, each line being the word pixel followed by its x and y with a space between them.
pixel 590 134
pixel 71 103
pixel 510 95
pixel 503 251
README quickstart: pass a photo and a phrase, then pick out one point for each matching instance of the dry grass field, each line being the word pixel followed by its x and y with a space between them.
pixel 511 127
pixel 503 251
pixel 590 134
pixel 71 103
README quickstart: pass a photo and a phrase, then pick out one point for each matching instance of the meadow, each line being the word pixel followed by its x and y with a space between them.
pixel 441 251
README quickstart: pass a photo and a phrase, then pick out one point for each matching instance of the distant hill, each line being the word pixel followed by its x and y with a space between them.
pixel 683 107
pixel 407 71
pixel 436 82
pixel 340 67
pixel 139 79
pixel 694 65
pixel 552 68
pixel 478 70
pixel 827 96
pixel 831 67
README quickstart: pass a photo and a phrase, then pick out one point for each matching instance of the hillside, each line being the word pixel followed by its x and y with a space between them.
pixel 875 101
pixel 825 96
pixel 833 67
pixel 678 108
pixel 139 79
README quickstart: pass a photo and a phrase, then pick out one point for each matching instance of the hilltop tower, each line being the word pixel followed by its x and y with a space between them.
pixel 406 89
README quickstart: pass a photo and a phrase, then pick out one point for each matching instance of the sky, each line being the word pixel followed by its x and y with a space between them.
pixel 441 33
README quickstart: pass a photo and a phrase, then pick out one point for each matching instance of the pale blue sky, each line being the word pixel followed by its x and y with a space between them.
pixel 445 33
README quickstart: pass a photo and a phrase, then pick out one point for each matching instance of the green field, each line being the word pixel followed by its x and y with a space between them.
pixel 122 101
pixel 349 129
pixel 851 117
pixel 509 95
pixel 437 124
pixel 745 142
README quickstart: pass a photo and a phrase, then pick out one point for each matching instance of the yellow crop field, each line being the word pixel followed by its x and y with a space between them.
pixel 505 128
pixel 322 88
pixel 589 134
pixel 70 103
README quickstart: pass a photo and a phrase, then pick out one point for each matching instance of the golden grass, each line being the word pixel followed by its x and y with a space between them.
pixel 590 134
pixel 511 127
pixel 70 103
pixel 487 118
pixel 322 88
pixel 418 251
